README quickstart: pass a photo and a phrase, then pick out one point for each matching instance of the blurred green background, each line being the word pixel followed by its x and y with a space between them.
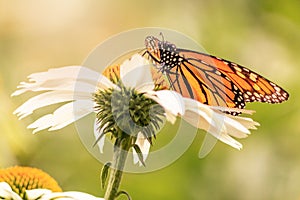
pixel 264 35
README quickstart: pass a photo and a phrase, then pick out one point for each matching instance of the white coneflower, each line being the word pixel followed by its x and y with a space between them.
pixel 122 105
pixel 18 183
pixel 126 106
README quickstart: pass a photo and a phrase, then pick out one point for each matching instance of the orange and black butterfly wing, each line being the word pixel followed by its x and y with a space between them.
pixel 204 82
pixel 246 85
pixel 209 79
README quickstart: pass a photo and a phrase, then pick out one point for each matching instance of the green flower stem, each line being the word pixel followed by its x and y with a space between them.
pixel 119 158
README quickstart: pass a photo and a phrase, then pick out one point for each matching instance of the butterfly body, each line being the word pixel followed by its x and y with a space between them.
pixel 209 79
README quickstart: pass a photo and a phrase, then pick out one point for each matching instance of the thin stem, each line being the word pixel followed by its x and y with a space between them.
pixel 119 158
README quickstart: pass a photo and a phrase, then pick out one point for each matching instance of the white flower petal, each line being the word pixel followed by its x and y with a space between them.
pixel 97 134
pixel 135 73
pixel 170 117
pixel 51 76
pixel 71 112
pixel 105 83
pixel 64 115
pixel 216 123
pixel 73 85
pixel 235 128
pixel 198 119
pixel 83 91
pixel 144 88
pixel 70 195
pixel 217 129
pixel 71 78
pixel 4 187
pixel 233 124
pixel 90 76
pixel 45 194
pixel 227 109
pixel 7 193
pixel 144 146
pixel 63 84
pixel 246 122
pixel 228 140
pixel 66 72
pixel 37 193
pixel 42 100
pixel 171 101
pixel 202 121
pixel 42 123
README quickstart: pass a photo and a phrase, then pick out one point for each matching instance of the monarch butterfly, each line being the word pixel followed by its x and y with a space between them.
pixel 209 79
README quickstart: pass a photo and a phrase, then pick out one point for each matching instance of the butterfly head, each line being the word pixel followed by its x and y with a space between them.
pixel 159 50
pixel 153 47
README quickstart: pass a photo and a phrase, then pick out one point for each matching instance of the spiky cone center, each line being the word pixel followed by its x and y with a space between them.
pixel 21 179
pixel 123 113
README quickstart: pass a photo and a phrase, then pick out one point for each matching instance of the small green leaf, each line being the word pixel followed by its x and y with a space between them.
pixel 125 193
pixel 104 173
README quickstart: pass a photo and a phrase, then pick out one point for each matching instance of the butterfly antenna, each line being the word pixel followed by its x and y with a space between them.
pixel 162 36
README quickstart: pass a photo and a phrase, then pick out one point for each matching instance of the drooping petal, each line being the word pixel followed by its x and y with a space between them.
pixel 97 133
pixel 218 124
pixel 63 116
pixel 136 73
pixel 144 146
pixel 202 121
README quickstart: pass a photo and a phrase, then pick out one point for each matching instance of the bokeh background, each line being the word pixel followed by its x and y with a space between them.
pixel 263 35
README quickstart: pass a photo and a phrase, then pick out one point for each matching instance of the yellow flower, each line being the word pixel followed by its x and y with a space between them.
pixel 21 179
pixel 18 183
